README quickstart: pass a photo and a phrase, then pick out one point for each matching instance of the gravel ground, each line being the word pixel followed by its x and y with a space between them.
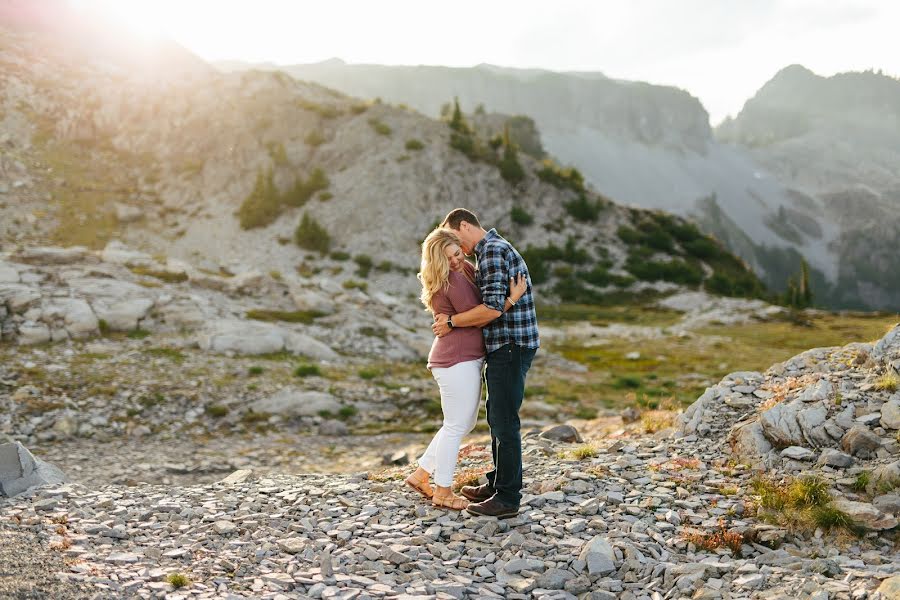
pixel 29 570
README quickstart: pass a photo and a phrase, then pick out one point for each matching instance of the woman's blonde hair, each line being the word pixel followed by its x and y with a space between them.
pixel 434 272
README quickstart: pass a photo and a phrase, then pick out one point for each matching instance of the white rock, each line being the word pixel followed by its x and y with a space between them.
pixel 126 213
pixel 866 514
pixel 798 453
pixel 890 413
pixel 297 403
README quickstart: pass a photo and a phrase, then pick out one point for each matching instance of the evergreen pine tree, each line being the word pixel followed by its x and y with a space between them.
pixel 806 291
pixel 457 122
pixel 510 169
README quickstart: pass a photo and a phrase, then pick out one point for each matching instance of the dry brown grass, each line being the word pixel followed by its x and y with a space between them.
pixel 467 477
pixel 715 540
pixel 783 388
pixel 657 420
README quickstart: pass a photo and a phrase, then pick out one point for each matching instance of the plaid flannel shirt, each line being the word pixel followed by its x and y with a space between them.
pixel 498 261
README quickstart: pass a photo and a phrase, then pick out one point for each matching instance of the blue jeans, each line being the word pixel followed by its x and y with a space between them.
pixel 505 377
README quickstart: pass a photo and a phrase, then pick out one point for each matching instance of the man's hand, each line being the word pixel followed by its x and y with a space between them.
pixel 440 327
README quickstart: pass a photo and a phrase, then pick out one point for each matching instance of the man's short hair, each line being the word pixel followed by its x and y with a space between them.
pixel 457 216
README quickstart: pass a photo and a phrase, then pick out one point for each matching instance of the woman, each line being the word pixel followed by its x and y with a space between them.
pixel 455 360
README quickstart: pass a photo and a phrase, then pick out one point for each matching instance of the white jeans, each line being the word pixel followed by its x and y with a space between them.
pixel 460 387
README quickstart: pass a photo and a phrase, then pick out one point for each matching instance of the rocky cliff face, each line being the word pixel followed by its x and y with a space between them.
pixel 835 143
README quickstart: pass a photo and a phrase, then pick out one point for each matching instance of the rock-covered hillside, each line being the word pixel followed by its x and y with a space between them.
pixel 834 143
pixel 257 171
pixel 823 193
pixel 642 144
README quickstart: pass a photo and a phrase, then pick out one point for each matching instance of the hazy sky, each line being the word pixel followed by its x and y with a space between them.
pixel 721 51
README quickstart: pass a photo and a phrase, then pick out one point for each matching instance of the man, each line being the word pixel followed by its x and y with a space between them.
pixel 511 339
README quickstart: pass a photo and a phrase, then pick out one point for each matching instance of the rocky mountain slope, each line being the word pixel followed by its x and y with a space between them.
pixel 641 144
pixel 771 199
pixel 256 171
pixel 834 143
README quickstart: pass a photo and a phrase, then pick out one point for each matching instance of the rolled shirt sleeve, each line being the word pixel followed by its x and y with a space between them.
pixel 494 277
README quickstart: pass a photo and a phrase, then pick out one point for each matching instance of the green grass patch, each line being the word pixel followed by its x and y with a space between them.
pixel 178 580
pixel 369 374
pixel 169 353
pixel 166 276
pixel 293 316
pixel 307 370
pixel 216 410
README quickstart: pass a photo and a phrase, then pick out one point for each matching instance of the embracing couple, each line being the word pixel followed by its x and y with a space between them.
pixel 483 315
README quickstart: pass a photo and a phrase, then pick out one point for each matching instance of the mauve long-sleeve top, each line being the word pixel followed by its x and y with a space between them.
pixel 462 343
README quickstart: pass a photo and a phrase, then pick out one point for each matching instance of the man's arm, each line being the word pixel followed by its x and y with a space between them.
pixel 494 286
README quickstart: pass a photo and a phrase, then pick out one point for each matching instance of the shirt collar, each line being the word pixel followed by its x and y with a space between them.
pixel 480 245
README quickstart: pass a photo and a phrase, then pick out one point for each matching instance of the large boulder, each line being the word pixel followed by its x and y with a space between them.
pixel 296 403
pixel 890 413
pixel 18 296
pixel 51 255
pixel 866 514
pixel 747 440
pixel 75 314
pixel 252 337
pixel 859 441
pixel 8 273
pixel 20 470
pixel 117 253
pixel 887 348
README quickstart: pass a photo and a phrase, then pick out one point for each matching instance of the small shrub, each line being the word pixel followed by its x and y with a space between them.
pixel 178 580
pixel 414 145
pixel 584 452
pixel 466 477
pixel 675 271
pixel 562 178
pixel 303 190
pixel 385 266
pixel 583 209
pixel 510 168
pixel 352 284
pixel 800 504
pixel 314 138
pixel 656 421
pixel 339 255
pixel 311 235
pixel 368 374
pixel 263 205
pixel 364 265
pixel 520 216
pixel 278 154
pixel 255 370
pixel 863 479
pixel 216 410
pixel 307 370
pixel 137 334
pixel 325 196
pixel 376 332
pixel 103 326
pixel 380 127
pixel 347 412
pixel 627 381
pixel 719 539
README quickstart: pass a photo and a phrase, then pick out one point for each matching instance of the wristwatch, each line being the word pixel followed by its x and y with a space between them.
pixel 450 322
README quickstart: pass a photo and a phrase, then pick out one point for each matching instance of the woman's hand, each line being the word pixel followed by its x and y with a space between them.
pixel 518 285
